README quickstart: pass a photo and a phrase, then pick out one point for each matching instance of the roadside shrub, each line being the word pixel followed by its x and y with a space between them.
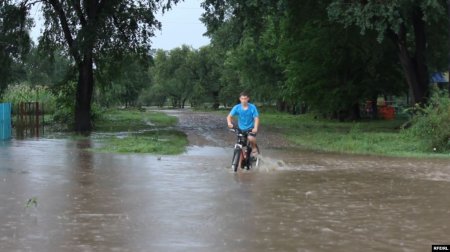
pixel 65 104
pixel 431 124
pixel 26 93
pixel 64 115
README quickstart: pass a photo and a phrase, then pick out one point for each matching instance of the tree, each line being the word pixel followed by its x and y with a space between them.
pixel 121 80
pixel 405 22
pixel 246 33
pixel 331 68
pixel 290 52
pixel 205 66
pixel 14 40
pixel 92 30
pixel 173 73
pixel 44 68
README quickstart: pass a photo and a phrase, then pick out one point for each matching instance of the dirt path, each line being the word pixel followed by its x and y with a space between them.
pixel 209 128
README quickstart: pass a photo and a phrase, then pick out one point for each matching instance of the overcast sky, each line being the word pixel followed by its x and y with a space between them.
pixel 180 25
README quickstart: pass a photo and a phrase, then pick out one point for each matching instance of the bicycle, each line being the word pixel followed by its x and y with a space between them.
pixel 242 152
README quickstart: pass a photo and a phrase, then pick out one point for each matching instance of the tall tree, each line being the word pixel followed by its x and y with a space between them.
pixel 405 22
pixel 46 68
pixel 247 32
pixel 14 39
pixel 205 66
pixel 332 68
pixel 91 29
pixel 122 79
pixel 174 74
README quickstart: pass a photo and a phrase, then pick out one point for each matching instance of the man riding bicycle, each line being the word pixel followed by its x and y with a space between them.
pixel 248 118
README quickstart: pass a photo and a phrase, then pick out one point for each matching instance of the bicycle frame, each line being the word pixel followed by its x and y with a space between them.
pixel 242 149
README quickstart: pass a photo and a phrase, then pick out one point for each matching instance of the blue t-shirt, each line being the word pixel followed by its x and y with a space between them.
pixel 246 117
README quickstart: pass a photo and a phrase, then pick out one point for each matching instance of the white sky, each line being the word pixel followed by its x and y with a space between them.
pixel 180 25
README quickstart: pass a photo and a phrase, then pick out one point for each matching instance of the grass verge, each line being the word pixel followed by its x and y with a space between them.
pixel 166 142
pixel 365 137
pixel 133 120
pixel 140 132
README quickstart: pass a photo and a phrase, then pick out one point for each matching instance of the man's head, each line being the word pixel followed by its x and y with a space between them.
pixel 244 98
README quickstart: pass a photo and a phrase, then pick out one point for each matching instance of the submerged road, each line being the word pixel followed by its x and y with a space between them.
pixel 297 200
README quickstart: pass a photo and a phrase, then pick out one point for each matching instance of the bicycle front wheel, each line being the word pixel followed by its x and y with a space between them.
pixel 235 160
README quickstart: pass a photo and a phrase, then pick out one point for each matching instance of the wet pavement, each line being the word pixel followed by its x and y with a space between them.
pixel 296 201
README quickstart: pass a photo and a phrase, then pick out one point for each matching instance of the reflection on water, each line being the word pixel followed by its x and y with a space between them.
pixel 193 202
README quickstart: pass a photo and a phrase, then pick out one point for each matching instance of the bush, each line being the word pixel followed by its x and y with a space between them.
pixel 26 93
pixel 431 124
pixel 65 103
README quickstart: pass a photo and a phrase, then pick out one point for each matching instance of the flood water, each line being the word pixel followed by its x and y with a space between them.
pixel 296 201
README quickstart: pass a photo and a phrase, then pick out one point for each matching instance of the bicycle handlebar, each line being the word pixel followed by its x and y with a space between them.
pixel 237 131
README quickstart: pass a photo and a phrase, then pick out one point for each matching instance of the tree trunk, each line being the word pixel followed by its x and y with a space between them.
pixel 448 44
pixel 84 95
pixel 355 112
pixel 215 95
pixel 281 106
pixel 374 108
pixel 414 68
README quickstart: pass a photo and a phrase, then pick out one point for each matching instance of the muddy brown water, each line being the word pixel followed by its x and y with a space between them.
pixel 296 200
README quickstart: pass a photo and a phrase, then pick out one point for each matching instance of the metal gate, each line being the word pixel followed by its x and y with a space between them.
pixel 5 121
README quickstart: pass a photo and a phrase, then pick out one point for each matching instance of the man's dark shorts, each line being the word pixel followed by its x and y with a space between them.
pixel 249 132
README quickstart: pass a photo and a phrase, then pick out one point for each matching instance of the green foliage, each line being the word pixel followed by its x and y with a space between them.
pixel 122 80
pixel 206 63
pixel 65 102
pixel 334 77
pixel 385 16
pixel 154 95
pixel 65 106
pixel 45 68
pixel 417 28
pixel 132 120
pixel 289 53
pixel 26 93
pixel 159 142
pixel 431 124
pixel 366 137
pixel 246 34
pixel 111 27
pixel 31 202
pixel 174 74
pixel 14 42
pixel 147 132
pixel 63 115
pixel 93 31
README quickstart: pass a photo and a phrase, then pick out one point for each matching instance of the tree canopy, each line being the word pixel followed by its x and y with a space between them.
pixel 91 31
pixel 14 40
pixel 327 56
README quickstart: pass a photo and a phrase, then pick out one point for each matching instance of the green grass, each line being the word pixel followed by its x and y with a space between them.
pixel 132 120
pixel 148 133
pixel 156 142
pixel 365 137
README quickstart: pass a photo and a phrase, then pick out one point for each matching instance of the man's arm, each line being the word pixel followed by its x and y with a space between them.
pixel 230 121
pixel 255 129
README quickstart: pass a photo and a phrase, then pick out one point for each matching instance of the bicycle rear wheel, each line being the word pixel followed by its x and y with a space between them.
pixel 254 160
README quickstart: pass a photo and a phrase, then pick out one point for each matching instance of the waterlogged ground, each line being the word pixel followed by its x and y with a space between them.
pixel 296 201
